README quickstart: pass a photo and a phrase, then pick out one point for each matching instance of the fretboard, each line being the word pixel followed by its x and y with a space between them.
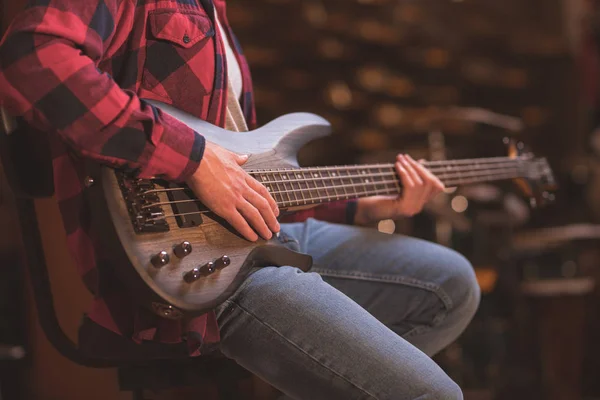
pixel 308 186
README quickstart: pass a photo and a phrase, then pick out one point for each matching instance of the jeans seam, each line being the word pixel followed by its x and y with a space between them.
pixel 395 279
pixel 302 350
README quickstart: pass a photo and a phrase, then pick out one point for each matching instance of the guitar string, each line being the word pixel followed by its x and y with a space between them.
pixel 352 185
pixel 365 175
pixel 507 176
pixel 498 176
pixel 391 167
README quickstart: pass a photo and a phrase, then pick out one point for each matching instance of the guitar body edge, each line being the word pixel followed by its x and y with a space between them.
pixel 164 288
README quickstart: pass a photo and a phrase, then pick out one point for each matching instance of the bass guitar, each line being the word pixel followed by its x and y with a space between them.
pixel 185 260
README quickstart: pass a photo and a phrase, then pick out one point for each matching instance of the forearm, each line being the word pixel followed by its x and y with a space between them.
pixel 48 75
pixel 342 212
pixel 370 210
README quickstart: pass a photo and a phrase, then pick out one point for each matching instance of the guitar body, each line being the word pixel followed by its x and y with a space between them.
pixel 179 259
pixel 168 284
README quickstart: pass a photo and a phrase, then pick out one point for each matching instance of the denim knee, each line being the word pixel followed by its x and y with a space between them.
pixel 462 286
pixel 446 389
pixel 436 386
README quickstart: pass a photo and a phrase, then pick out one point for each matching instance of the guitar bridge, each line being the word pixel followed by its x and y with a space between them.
pixel 139 198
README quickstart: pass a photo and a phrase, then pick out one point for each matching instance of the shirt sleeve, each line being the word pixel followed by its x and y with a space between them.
pixel 341 212
pixel 49 77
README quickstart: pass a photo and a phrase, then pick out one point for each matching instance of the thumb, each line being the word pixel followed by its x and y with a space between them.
pixel 241 158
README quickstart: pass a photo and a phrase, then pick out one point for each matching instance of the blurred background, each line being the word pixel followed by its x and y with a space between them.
pixel 438 80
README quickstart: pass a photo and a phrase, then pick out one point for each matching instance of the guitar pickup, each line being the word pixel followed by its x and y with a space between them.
pixel 186 207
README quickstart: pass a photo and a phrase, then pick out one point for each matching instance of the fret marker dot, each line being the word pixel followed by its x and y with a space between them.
pixel 315 175
pixel 364 172
pixel 299 176
pixel 284 177
pixel 366 180
pixel 264 179
pixel 333 174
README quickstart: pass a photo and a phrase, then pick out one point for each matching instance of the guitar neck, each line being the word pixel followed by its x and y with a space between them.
pixel 316 185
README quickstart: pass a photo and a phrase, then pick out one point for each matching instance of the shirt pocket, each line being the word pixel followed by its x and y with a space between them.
pixel 180 56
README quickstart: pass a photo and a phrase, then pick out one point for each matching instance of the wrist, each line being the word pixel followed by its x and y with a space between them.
pixel 360 216
pixel 370 210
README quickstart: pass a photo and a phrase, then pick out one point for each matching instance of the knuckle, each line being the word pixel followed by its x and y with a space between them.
pixel 263 205
pixel 238 199
pixel 263 190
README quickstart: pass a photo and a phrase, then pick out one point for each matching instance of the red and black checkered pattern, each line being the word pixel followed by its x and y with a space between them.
pixel 80 70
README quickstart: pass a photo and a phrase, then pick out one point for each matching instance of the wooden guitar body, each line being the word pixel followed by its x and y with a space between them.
pixel 167 284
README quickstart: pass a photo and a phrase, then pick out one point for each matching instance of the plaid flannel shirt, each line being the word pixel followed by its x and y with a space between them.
pixel 79 70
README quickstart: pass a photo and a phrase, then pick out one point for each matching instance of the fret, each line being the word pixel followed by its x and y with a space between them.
pixel 354 181
pixel 446 169
pixel 308 178
pixel 278 190
pixel 382 179
pixel 396 180
pixel 332 175
pixel 264 179
pixel 338 174
pixel 318 183
pixel 286 193
pixel 376 181
pixel 363 180
pixel 327 195
pixel 458 173
pixel 302 186
pixel 349 189
pixel 294 193
pixel 374 186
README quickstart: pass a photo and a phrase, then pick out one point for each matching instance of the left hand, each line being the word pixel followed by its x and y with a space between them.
pixel 419 186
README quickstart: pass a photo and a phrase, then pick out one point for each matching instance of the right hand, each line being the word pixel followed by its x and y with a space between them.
pixel 230 192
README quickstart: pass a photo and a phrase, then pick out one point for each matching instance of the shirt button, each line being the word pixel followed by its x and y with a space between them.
pixel 186 39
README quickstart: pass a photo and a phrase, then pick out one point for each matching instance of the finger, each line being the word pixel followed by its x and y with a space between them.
pixel 239 223
pixel 241 159
pixel 423 172
pixel 426 174
pixel 428 182
pixel 263 206
pixel 416 178
pixel 433 194
pixel 262 191
pixel 407 182
pixel 252 215
pixel 425 196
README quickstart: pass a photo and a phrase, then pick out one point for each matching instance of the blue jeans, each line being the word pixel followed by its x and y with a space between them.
pixel 361 325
